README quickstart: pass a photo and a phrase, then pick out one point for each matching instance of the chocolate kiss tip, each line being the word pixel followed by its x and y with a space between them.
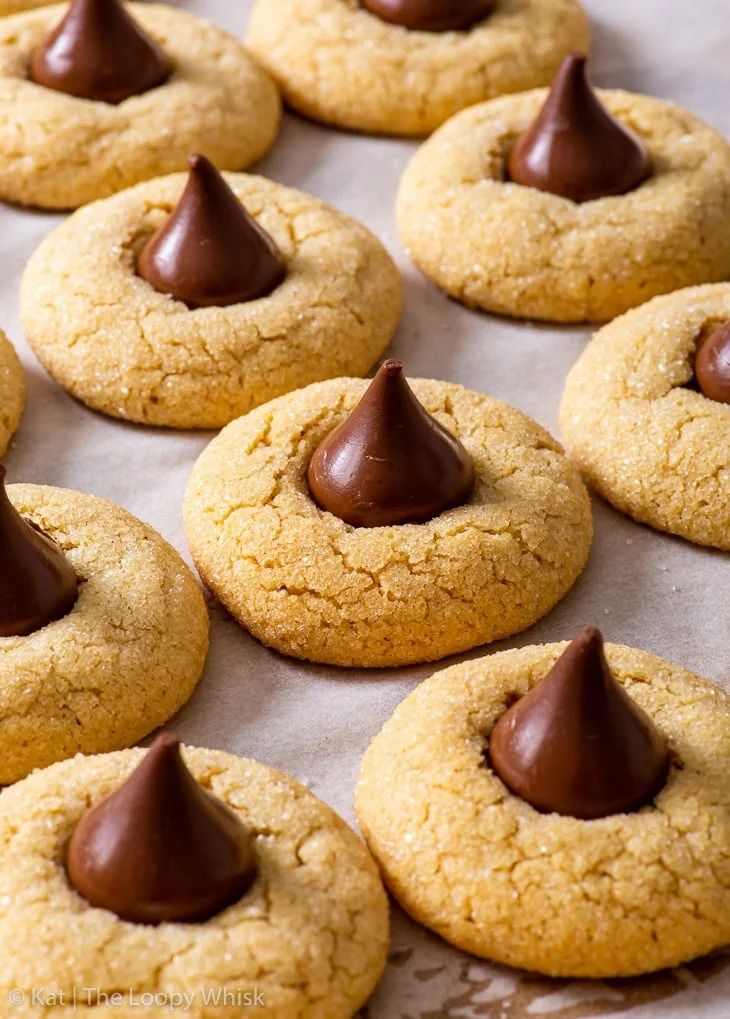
pixel 712 365
pixel 210 252
pixel 37 582
pixel 576 148
pixel 390 462
pixel 99 52
pixel 577 744
pixel 392 367
pixel 431 15
pixel 161 848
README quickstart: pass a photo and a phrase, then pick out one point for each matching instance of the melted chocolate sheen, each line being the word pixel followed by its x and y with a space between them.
pixel 210 252
pixel 712 365
pixel 577 744
pixel 99 52
pixel 576 148
pixel 390 462
pixel 37 582
pixel 431 15
pixel 161 848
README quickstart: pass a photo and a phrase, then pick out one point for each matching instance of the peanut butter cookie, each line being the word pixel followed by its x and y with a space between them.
pixel 12 391
pixel 58 151
pixel 307 940
pixel 121 660
pixel 337 62
pixel 521 251
pixel 639 427
pixel 310 585
pixel 618 895
pixel 113 341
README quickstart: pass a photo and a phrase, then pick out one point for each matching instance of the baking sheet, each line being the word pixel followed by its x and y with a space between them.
pixel 641 587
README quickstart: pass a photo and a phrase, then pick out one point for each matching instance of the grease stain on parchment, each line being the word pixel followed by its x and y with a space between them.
pixel 424 986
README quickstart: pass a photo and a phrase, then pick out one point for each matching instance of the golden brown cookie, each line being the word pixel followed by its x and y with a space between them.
pixel 616 896
pixel 12 391
pixel 337 62
pixel 309 938
pixel 122 661
pixel 640 432
pixel 523 252
pixel 13 6
pixel 312 586
pixel 123 348
pixel 59 152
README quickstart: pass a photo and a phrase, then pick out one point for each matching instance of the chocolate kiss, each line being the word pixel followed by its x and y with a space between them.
pixel 37 583
pixel 431 15
pixel 161 848
pixel 99 52
pixel 712 365
pixel 577 744
pixel 576 148
pixel 390 462
pixel 210 251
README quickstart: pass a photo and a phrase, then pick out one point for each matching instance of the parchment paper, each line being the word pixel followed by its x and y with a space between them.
pixel 641 587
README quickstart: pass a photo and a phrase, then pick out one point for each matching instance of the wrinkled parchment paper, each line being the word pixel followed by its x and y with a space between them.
pixel 641 587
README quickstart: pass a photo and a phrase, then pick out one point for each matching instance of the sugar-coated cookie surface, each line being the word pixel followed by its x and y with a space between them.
pixel 337 62
pixel 123 348
pixel 654 447
pixel 527 253
pixel 59 152
pixel 617 896
pixel 12 391
pixel 122 661
pixel 311 586
pixel 13 6
pixel 310 936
